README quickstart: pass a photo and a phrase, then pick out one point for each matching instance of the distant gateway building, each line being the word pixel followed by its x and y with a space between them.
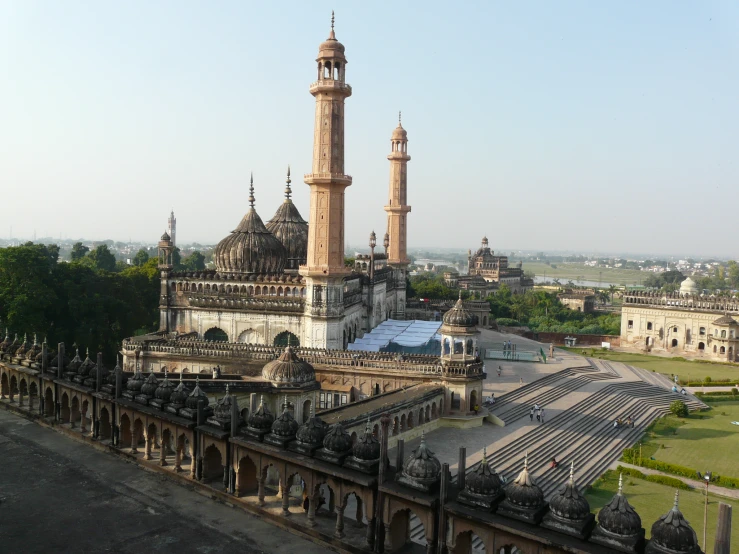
pixel 683 322
pixel 486 272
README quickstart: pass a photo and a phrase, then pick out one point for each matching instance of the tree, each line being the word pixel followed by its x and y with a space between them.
pixel 102 259
pixel 141 257
pixel 195 262
pixel 678 408
pixel 79 251
pixel 177 259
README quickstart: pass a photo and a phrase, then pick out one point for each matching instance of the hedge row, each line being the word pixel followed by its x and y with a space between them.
pixel 717 398
pixel 631 456
pixel 661 479
pixel 707 381
pixel 731 392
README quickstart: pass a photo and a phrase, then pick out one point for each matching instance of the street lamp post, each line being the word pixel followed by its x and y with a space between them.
pixel 707 479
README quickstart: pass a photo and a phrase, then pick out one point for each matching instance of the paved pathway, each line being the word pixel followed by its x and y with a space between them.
pixel 720 491
pixel 57 495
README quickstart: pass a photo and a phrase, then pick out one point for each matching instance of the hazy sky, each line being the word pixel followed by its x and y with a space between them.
pixel 608 126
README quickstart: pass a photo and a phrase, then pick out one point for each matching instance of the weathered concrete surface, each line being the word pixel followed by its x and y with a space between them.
pixel 57 495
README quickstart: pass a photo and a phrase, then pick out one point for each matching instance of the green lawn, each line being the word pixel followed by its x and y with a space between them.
pixel 651 500
pixel 574 271
pixel 686 370
pixel 705 441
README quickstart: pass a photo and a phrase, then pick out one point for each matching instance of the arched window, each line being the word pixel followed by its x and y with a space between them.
pixel 216 334
pixel 286 337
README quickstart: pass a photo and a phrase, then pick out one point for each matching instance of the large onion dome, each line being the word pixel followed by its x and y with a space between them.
pixel 180 393
pixel 285 425
pixel 261 419
pixel 337 439
pixel 422 468
pixel 250 248
pixel 483 481
pixel 288 369
pixel 195 396
pixel 312 431
pixel 459 316
pixel 367 448
pixel 672 533
pixel 618 517
pixel 86 366
pixel 290 229
pixel 568 503
pixel 150 385
pixel 523 492
pixel 165 389
pixel 76 362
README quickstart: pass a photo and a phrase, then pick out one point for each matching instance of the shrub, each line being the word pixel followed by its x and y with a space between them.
pixel 670 481
pixel 707 379
pixel 679 408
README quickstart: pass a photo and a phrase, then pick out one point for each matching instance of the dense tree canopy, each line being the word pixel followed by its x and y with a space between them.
pixel 79 251
pixel 141 257
pixel 82 302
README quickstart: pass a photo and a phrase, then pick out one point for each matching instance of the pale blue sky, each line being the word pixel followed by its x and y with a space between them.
pixel 609 126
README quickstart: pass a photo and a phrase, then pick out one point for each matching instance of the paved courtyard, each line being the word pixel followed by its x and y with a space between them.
pixel 90 501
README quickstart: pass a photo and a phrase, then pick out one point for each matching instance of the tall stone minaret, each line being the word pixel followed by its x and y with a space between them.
pixel 172 228
pixel 325 270
pixel 397 214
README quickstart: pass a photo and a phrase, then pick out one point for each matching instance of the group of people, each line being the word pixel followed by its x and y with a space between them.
pixel 537 411
pixel 681 391
pixel 618 422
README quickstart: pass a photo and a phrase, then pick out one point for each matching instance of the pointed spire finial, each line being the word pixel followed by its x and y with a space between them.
pixel 165 373
pixel 226 389
pixel 367 427
pixel 251 190
pixel 261 400
pixel 677 494
pixel 332 20
pixel 288 190
pixel 197 380
pixel 485 455
pixel 572 472
pixel 526 460
pixel 180 377
pixel 400 123
pixel 620 483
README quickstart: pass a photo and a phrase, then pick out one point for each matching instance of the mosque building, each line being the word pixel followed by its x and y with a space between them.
pixel 286 281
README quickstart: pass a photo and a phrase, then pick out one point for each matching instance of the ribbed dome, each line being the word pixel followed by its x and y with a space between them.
pixel 6 342
pixel 166 237
pixel 86 366
pixel 135 383
pixel 312 431
pixel 673 532
pixel 458 316
pixel 523 491
pixel 399 133
pixel 195 396
pixel 331 48
pixel 34 351
pixel 337 440
pixel 288 369
pixel 261 419
pixel 483 480
pixel 250 248
pixel 568 503
pixel 290 229
pixel 180 393
pixel 725 320
pixel 165 389
pixel 688 286
pixel 618 517
pixel 367 448
pixel 285 425
pixel 150 385
pixel 422 465
pixel 23 348
pixel 76 362
pixel 222 409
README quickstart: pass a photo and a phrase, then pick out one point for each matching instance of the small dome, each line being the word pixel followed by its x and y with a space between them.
pixel 337 440
pixel 312 431
pixel 673 532
pixel 150 385
pixel 285 424
pixel 331 48
pixel 134 383
pixel 288 369
pixel 422 465
pixel 250 248
pixel 289 227
pixel 367 448
pixel 104 372
pixel 34 351
pixel 180 393
pixel 688 286
pixel 523 491
pixel 483 480
pixel 618 517
pixel 13 346
pixel 86 366
pixel 195 396
pixel 568 503
pixel 75 363
pixel 399 133
pixel 222 409
pixel 23 348
pixel 261 419
pixel 458 316
pixel 166 237
pixel 725 320
pixel 165 389
pixel 6 342
pixel 110 378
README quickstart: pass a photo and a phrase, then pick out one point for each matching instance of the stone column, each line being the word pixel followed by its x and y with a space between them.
pixel 312 505
pixel 260 489
pixel 225 477
pixel 370 537
pixel 82 421
pixel 147 446
pixel 193 465
pixel 462 468
pixel 388 544
pixel 286 498
pixel 178 459
pixel 162 455
pixel 134 442
pixel 339 533
pixel 20 397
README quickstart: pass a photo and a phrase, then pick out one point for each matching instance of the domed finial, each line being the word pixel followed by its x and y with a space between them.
pixel 460 294
pixel 674 507
pixel 526 460
pixel 485 455
pixel 620 483
pixel 572 472
pixel 251 191
pixel 332 20
pixel 226 389
pixel 288 191
pixel 400 124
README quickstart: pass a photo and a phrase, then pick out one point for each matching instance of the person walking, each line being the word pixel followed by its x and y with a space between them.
pixel 499 370
pixel 531 415
pixel 541 413
pixel 520 381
